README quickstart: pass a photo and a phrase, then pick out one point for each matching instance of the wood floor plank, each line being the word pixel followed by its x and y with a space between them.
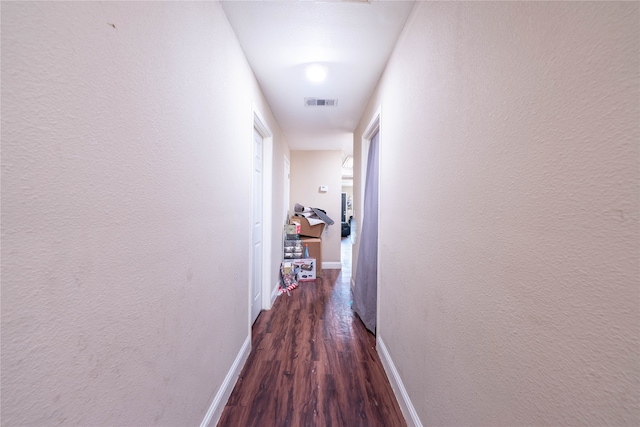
pixel 312 363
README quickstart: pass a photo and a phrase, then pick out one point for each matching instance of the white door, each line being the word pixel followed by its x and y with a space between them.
pixel 256 281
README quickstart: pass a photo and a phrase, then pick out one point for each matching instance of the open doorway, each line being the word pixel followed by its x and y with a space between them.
pixel 346 213
pixel 346 243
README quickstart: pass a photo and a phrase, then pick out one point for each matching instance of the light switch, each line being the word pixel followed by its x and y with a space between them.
pixel 324 188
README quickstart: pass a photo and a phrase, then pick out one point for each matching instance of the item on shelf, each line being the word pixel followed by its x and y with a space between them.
pixel 288 277
pixel 306 269
pixel 293 249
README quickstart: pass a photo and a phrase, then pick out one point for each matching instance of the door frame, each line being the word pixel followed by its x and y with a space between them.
pixel 260 124
pixel 286 197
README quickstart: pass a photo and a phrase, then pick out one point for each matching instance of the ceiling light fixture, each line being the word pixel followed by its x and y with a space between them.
pixel 316 73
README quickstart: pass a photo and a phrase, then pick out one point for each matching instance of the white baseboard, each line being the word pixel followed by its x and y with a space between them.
pixel 331 265
pixel 409 412
pixel 274 294
pixel 214 413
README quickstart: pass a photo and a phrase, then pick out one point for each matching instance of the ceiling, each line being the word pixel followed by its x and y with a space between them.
pixel 352 39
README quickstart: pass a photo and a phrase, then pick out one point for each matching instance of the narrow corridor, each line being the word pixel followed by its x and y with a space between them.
pixel 313 363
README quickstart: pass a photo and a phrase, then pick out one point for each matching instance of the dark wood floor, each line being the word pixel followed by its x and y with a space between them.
pixel 313 363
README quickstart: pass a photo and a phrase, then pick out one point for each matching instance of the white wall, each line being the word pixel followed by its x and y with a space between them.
pixel 310 170
pixel 509 239
pixel 126 182
pixel 278 199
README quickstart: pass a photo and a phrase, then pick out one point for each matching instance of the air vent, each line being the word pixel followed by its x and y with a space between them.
pixel 315 102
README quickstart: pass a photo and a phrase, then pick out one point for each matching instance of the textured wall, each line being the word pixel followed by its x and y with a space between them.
pixel 126 159
pixel 310 170
pixel 509 219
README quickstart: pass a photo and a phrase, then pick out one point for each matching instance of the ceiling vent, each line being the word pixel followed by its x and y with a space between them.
pixel 315 102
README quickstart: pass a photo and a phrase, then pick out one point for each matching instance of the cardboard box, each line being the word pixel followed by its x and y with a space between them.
pixel 315 251
pixel 306 268
pixel 306 229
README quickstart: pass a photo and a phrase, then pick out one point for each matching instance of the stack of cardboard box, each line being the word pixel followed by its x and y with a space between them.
pixel 311 237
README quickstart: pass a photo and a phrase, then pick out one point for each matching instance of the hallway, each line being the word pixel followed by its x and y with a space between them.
pixel 509 213
pixel 313 363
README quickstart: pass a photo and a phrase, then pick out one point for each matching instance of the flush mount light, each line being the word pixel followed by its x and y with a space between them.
pixel 316 72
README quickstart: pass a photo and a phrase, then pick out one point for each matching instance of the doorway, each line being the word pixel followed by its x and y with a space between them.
pixel 287 188
pixel 260 289
pixel 365 291
pixel 257 227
